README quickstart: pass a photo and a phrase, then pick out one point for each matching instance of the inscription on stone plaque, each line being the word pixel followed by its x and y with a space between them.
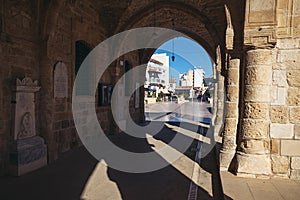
pixel 60 80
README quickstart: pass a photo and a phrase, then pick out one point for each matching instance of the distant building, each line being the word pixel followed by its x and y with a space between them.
pixel 157 73
pixel 173 84
pixel 198 77
pixel 183 80
pixel 193 77
pixel 183 91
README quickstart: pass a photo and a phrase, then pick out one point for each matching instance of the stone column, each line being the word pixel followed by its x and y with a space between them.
pixel 231 114
pixel 253 156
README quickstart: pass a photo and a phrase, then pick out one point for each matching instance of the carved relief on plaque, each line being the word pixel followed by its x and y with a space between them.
pixel 27 126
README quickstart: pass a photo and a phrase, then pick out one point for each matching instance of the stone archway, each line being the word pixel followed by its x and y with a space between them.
pixel 255 49
pixel 220 46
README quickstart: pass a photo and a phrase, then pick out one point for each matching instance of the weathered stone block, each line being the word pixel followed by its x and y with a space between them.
pixel 275 146
pixel 295 115
pixel 225 159
pixel 258 75
pixel 288 55
pixel 234 63
pixel 231 110
pixel 229 143
pixel 253 164
pixel 295 174
pixel 293 78
pixel 230 127
pixel 280 164
pixel 297 131
pixel 295 164
pixel 3 125
pixel 293 98
pixel 282 131
pixel 257 93
pixel 288 43
pixel 256 110
pixel 278 95
pixel 255 129
pixel 279 78
pixel 65 124
pixel 259 57
pixel 233 76
pixel 278 66
pixel 290 147
pixel 232 93
pixel 57 126
pixel 279 114
pixel 291 65
pixel 255 146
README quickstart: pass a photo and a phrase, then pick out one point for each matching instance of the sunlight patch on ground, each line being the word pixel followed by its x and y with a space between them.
pixel 184 164
pixel 189 133
pixel 99 183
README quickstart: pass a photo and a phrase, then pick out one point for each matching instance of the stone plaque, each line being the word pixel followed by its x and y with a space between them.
pixel 60 80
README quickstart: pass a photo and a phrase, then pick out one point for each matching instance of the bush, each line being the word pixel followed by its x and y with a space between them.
pixel 186 96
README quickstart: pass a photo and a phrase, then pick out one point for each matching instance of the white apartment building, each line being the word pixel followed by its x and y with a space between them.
pixel 193 77
pixel 157 73
pixel 198 77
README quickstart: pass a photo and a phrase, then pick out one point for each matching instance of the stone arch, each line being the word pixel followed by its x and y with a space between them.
pixel 145 17
pixel 212 39
pixel 197 22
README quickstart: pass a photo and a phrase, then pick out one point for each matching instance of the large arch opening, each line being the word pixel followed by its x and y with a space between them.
pixel 179 83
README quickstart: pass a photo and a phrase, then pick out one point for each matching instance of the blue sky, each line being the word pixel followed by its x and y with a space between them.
pixel 188 54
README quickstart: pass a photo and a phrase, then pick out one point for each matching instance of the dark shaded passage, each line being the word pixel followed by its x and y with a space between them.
pixel 67 177
pixel 64 179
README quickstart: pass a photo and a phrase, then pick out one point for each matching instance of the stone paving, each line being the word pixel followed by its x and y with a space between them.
pixel 77 175
pixel 229 186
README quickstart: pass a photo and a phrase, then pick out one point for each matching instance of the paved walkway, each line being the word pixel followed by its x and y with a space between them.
pixel 77 175
pixel 234 187
pixel 247 188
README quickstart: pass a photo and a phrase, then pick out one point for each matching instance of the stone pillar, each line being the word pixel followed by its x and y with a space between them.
pixel 231 114
pixel 253 156
pixel 27 151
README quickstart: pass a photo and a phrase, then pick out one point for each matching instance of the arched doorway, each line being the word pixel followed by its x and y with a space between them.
pixel 179 73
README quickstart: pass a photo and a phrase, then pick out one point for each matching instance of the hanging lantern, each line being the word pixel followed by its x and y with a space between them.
pixel 173 57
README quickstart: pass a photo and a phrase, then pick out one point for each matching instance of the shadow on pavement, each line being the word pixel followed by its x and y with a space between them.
pixel 167 183
pixel 67 178
pixel 64 179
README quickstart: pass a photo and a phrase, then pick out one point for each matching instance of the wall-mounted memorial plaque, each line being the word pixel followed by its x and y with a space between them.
pixel 60 80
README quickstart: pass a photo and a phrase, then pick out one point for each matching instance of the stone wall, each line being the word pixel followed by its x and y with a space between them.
pixel 76 21
pixel 18 58
pixel 285 109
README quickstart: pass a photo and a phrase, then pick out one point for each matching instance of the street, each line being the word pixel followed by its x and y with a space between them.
pixel 173 112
